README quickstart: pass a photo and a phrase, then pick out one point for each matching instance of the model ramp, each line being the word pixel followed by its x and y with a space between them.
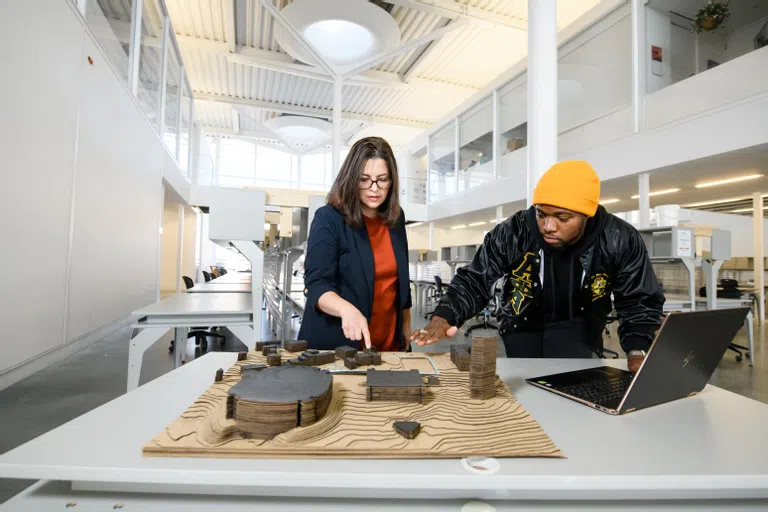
pixel 452 425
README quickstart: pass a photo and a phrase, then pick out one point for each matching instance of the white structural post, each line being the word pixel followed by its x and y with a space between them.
pixel 542 89
pixel 199 277
pixel 134 51
pixel 757 203
pixel 180 254
pixel 431 236
pixel 639 58
pixel 335 159
pixel 644 203
pixel 496 135
pixel 499 214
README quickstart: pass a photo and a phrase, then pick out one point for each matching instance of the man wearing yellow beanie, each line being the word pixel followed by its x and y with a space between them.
pixel 561 260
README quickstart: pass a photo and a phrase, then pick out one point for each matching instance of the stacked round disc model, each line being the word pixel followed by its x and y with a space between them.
pixel 269 401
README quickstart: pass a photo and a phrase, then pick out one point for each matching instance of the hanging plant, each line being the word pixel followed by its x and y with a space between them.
pixel 711 17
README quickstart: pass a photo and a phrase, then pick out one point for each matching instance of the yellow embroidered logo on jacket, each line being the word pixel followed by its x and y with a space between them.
pixel 522 284
pixel 599 286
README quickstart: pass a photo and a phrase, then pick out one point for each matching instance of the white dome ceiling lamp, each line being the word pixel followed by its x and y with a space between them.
pixel 344 32
pixel 300 133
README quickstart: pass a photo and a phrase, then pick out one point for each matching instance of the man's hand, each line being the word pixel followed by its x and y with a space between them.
pixel 354 325
pixel 437 329
pixel 634 362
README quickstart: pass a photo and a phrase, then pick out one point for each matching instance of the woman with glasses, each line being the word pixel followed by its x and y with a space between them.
pixel 356 278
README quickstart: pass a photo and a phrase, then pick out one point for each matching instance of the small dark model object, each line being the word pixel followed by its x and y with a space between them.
pixel 364 359
pixel 260 344
pixel 309 357
pixel 219 375
pixel 402 386
pixel 345 352
pixel 296 346
pixel 407 429
pixel 274 359
pixel 433 380
pixel 241 356
pixel 350 363
pixel 268 348
pixel 252 368
pixel 460 355
pixel 325 358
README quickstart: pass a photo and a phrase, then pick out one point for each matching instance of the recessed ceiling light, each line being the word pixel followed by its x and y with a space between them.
pixel 460 226
pixel 477 224
pixel 729 180
pixel 344 33
pixel 660 192
pixel 745 210
pixel 609 201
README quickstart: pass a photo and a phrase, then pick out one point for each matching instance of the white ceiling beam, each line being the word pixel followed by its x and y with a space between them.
pixel 230 28
pixel 324 113
pixel 235 121
pixel 306 45
pixel 249 134
pixel 419 59
pixel 455 10
pixel 412 45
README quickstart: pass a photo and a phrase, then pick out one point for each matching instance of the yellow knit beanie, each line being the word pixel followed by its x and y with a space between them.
pixel 572 184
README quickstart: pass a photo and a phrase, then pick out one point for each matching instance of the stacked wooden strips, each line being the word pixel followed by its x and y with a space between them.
pixel 482 368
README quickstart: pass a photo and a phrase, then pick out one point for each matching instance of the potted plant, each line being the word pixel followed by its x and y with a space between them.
pixel 711 17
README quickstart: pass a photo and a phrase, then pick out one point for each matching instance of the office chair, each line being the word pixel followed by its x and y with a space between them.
pixel 200 333
pixel 206 276
pixel 492 308
pixel 603 351
pixel 436 293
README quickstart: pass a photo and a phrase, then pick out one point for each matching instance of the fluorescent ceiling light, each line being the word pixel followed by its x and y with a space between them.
pixel 477 224
pixel 660 192
pixel 339 40
pixel 493 221
pixel 720 201
pixel 729 180
pixel 460 226
pixel 414 224
pixel 745 210
pixel 266 226
pixel 609 201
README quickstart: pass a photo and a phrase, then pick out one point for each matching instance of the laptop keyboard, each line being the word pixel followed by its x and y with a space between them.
pixel 599 392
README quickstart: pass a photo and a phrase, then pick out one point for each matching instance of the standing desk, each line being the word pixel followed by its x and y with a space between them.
pixel 221 288
pixel 682 457
pixel 185 310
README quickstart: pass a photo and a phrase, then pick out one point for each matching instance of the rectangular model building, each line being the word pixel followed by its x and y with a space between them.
pixel 402 386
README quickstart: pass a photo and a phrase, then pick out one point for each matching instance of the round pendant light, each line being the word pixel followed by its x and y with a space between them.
pixel 344 32
pixel 300 132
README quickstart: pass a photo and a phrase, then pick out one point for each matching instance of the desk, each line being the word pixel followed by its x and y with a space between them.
pixel 232 278
pixel 682 450
pixel 185 310
pixel 220 288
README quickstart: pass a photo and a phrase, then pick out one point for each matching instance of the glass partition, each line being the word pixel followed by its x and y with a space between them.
pixel 185 127
pixel 442 168
pixel 476 146
pixel 151 61
pixel 111 23
pixel 513 124
pixel 172 89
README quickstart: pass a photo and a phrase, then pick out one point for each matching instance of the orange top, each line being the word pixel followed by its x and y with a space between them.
pixel 384 317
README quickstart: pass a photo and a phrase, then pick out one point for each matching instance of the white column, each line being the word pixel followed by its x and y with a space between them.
pixel 179 256
pixel 134 51
pixel 644 203
pixel 499 214
pixel 757 203
pixel 431 236
pixel 335 159
pixel 639 58
pixel 542 89
pixel 456 154
pixel 496 135
pixel 199 278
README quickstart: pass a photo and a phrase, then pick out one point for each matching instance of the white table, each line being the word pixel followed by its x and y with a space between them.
pixel 686 450
pixel 221 288
pixel 232 278
pixel 182 311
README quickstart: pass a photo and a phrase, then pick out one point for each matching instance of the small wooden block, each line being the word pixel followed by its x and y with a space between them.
pixel 312 351
pixel 350 363
pixel 364 359
pixel 345 352
pixel 376 359
pixel 274 359
pixel 252 367
pixel 294 362
pixel 407 429
pixel 325 358
pixel 242 356
pixel 296 346
pixel 432 380
pixel 267 348
pixel 219 375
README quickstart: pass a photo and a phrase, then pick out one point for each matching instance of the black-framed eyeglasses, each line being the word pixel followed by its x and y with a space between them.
pixel 382 183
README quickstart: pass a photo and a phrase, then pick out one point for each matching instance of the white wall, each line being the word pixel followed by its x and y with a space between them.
pixel 418 237
pixel 741 228
pixel 682 53
pixel 741 41
pixel 83 192
pixel 658 33
pixel 709 46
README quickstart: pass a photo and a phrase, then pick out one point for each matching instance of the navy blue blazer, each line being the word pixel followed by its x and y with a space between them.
pixel 339 258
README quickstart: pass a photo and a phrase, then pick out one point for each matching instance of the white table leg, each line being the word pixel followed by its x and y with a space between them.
pixel 751 337
pixel 138 345
pixel 179 345
pixel 244 333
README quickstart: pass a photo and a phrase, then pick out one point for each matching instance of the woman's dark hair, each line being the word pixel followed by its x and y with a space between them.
pixel 345 192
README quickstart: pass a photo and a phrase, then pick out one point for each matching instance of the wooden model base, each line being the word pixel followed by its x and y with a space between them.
pixel 452 425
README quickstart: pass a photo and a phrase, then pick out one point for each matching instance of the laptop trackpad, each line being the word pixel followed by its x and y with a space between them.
pixel 560 380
